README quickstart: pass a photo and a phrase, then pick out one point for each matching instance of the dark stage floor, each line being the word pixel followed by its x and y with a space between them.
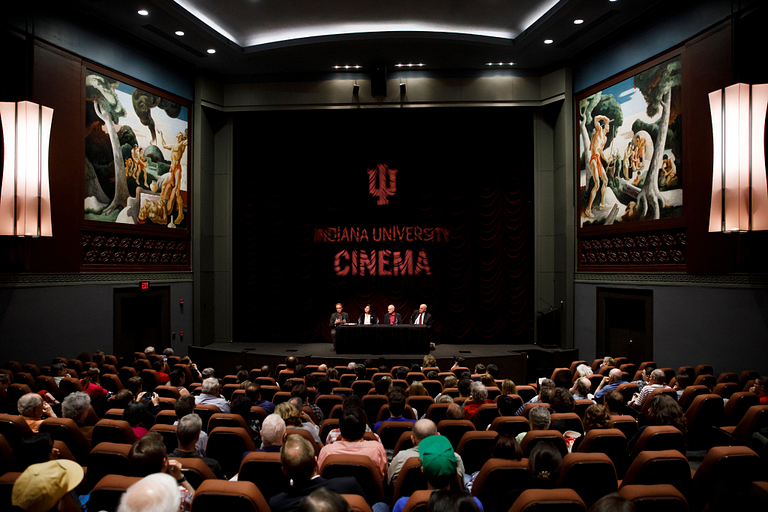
pixel 521 363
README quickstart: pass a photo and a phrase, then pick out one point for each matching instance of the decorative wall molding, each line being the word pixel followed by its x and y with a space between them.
pixel 667 279
pixel 118 249
pixel 75 279
pixel 637 249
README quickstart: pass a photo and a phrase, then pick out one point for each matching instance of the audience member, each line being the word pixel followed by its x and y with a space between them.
pixel 609 383
pixel 352 426
pixel 148 456
pixel 295 418
pixel 596 416
pixel 300 464
pixel 656 382
pixel 438 464
pixel 76 407
pixel 159 368
pixel 583 370
pixel 540 419
pixel 562 401
pixel 185 405
pixel 547 386
pixel 253 392
pixel 612 503
pixel 134 414
pixel 645 376
pixel 48 486
pixel 478 396
pixel 32 408
pixel 682 381
pixel 429 362
pixel 607 361
pixel 450 500
pixel 272 433
pixel 34 449
pixel 760 388
pixel 508 387
pixel 506 405
pixel 506 447
pixel 300 391
pixel 188 434
pixel 59 371
pixel 241 405
pixel 154 493
pixel 580 389
pixel 663 410
pixel 493 371
pixel 323 500
pixel 422 429
pixel 454 411
pixel 209 395
pixel 544 465
pixel 396 409
pixel 178 379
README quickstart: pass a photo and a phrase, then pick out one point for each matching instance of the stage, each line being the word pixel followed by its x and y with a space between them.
pixel 521 363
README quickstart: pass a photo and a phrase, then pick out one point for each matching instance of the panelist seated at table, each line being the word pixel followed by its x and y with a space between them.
pixel 421 317
pixel 367 318
pixel 338 318
pixel 391 318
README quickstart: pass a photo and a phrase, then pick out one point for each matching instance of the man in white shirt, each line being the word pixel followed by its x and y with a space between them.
pixel 209 395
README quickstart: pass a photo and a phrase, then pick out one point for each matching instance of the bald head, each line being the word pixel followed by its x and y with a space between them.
pixel 615 375
pixel 422 430
pixel 158 492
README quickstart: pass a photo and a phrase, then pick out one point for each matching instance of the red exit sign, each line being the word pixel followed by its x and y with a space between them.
pixel 144 285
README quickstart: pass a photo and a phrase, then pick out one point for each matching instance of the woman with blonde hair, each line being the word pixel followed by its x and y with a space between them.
pixel 296 418
pixel 596 416
pixel 429 361
pixel 508 387
pixel 417 389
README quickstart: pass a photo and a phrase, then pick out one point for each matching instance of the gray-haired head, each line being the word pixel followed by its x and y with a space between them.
pixel 75 405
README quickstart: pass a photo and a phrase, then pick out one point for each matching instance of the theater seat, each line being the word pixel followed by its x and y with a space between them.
pixel 67 431
pixel 195 470
pixel 738 405
pixel 726 471
pixel 655 498
pixel 528 407
pixel 436 412
pixel 226 420
pixel 359 466
pixel 497 474
pixel 14 429
pixel 702 417
pixel 230 496
pixel 659 437
pixel 591 475
pixel 485 415
pixel 112 431
pixel 417 502
pixel 454 429
pixel 660 467
pixel 390 432
pixel 611 442
pixel 108 459
pixel 107 492
pixel 265 470
pixel 755 419
pixel 227 445
pixel 356 503
pixel 168 433
pixel 512 425
pixel 475 448
pixel 409 480
pixel 403 443
pixel 689 393
pixel 536 436
pixel 543 500
pixel 565 421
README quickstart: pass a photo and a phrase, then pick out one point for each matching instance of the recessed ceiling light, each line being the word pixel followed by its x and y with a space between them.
pixel 578 21
pixel 499 63
pixel 409 65
pixel 179 33
pixel 347 66
pixel 143 12
pixel 211 51
pixel 548 41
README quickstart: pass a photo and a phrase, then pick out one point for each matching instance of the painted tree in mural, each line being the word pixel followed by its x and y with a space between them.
pixel 656 86
pixel 101 90
pixel 585 119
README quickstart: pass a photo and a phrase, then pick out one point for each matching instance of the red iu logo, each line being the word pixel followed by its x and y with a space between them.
pixel 377 183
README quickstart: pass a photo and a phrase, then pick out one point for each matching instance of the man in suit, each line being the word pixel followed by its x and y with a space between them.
pixel 392 318
pixel 421 317
pixel 300 465
pixel 338 318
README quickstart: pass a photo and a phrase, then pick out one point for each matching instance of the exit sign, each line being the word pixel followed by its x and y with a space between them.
pixel 144 285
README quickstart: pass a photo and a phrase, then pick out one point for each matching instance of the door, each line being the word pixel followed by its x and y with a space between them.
pixel 141 319
pixel 625 324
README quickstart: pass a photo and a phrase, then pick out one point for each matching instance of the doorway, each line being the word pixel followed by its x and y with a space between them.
pixel 141 319
pixel 625 324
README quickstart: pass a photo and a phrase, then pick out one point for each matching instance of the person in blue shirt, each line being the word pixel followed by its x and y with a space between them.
pixel 396 409
pixel 609 383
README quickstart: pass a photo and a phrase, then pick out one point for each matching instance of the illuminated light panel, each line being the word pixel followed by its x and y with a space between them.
pixel 409 65
pixel 499 63
pixel 143 12
pixel 348 66
pixel 211 51
pixel 179 33
pixel 578 21
pixel 262 37
pixel 549 41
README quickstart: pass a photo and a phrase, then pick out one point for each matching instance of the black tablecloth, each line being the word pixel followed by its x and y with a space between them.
pixel 382 339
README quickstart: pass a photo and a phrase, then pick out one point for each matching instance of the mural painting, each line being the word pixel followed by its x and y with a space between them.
pixel 136 155
pixel 630 149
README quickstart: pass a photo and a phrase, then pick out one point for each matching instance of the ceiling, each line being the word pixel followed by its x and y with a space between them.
pixel 309 37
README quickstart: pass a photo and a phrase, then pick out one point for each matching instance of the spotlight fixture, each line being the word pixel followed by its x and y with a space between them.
pixel 548 41
pixel 211 50
pixel 355 89
pixel 143 12
pixel 578 21
pixel 179 33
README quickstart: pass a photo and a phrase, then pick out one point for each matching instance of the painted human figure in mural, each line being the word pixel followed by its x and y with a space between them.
pixel 153 211
pixel 596 158
pixel 171 191
pixel 668 175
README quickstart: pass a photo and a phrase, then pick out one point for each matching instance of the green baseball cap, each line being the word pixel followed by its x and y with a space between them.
pixel 437 457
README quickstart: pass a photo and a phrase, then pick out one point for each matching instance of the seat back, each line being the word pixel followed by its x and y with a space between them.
pixel 227 445
pixel 738 405
pixel 652 467
pixel 167 392
pixel 436 412
pixel 168 433
pixel 361 387
pixel 542 500
pixel 454 430
pixel 326 403
pixel 68 385
pixel 725 471
pixel 564 421
pixel 384 413
pixel 755 419
pixel 704 413
pixel 475 448
pixel 536 436
pixel 220 419
pixel 108 459
pixel 659 437
pixel 655 498
pixel 390 432
pixel 725 389
pixel 372 404
pixel 356 503
pixel 689 393
pixel 433 387
pixel 418 501
pixel 528 407
pixel 485 415
pixel 265 470
pixel 112 431
pixel 409 480
pixel 420 403
pixel 526 392
pixel 658 391
pixel 46 382
pixel 512 425
pixel 611 442
pixel 205 411
pixel 107 492
pixel 360 467
pixel 14 429
pixel 591 475
pixel 563 377
pixel 229 496
pixel 67 431
pixel 196 470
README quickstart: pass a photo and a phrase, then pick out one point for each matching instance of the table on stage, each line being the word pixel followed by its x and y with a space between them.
pixel 382 339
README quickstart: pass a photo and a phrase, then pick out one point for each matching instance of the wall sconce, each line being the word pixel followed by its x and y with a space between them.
pixel 25 198
pixel 739 190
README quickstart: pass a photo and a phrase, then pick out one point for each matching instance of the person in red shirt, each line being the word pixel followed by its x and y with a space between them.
pixel 759 388
pixel 160 369
pixel 478 395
